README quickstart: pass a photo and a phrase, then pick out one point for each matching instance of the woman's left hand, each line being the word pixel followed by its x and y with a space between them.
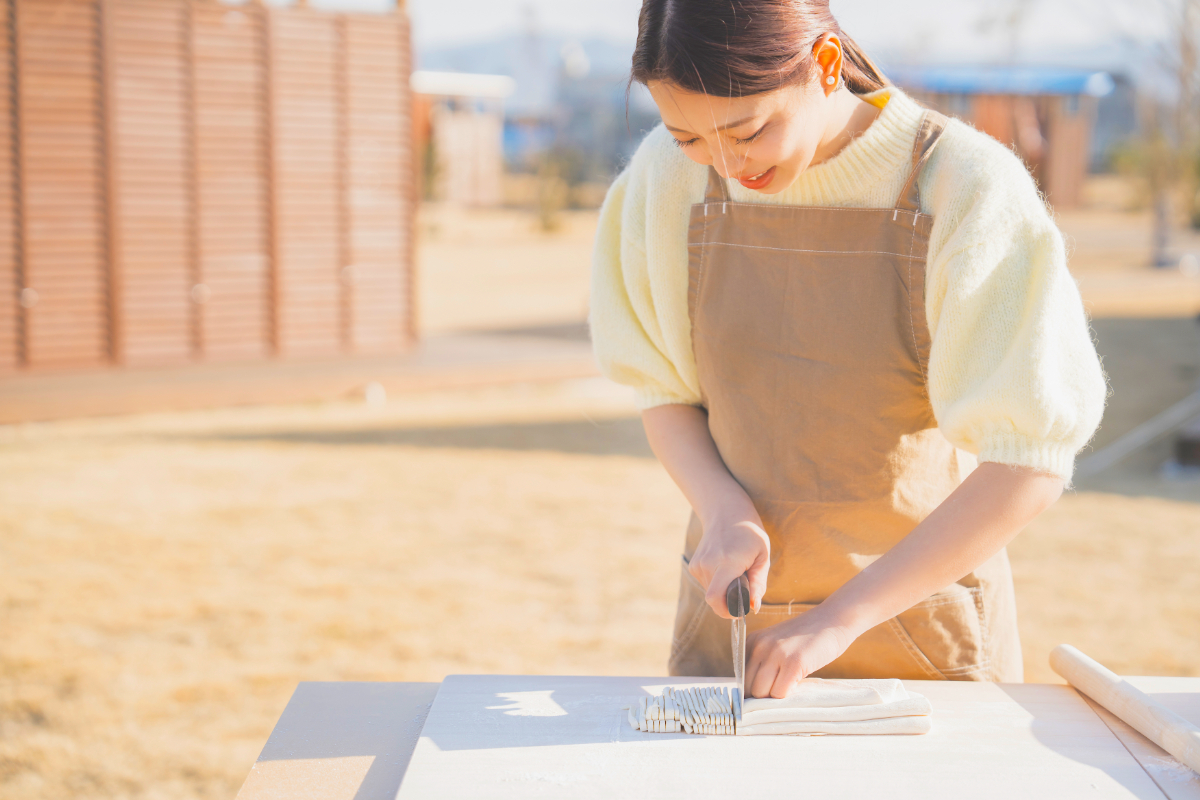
pixel 781 655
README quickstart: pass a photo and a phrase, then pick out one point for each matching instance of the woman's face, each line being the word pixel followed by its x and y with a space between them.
pixel 765 141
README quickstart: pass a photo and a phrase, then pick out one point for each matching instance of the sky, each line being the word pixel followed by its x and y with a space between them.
pixel 1101 34
pixel 1050 31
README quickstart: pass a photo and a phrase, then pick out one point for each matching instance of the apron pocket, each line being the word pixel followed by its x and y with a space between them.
pixel 689 615
pixel 950 629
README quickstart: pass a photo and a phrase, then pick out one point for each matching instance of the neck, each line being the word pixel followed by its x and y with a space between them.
pixel 849 116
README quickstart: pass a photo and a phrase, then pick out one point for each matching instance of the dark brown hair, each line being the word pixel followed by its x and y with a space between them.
pixel 734 48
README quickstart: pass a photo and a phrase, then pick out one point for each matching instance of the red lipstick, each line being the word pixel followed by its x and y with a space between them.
pixel 760 181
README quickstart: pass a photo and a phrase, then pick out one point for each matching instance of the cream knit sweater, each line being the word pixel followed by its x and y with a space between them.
pixel 1013 376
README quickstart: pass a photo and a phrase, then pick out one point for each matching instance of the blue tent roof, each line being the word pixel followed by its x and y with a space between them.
pixel 1002 80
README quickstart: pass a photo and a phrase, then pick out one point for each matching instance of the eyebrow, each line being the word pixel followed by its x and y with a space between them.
pixel 722 128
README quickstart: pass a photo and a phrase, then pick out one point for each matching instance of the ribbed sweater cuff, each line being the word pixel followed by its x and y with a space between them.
pixel 1016 450
pixel 648 398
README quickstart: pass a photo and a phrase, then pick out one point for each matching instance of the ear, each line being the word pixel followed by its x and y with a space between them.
pixel 827 54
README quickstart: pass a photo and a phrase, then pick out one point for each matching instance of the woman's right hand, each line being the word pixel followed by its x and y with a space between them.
pixel 734 542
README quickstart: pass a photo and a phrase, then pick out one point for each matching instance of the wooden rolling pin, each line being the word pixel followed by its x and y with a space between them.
pixel 1160 725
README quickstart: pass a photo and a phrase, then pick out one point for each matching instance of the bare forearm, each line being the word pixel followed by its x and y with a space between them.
pixel 734 541
pixel 979 518
pixel 680 438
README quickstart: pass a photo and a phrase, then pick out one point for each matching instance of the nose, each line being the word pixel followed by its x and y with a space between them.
pixel 725 163
pixel 722 166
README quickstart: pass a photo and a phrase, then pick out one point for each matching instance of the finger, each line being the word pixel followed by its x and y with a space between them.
pixel 757 576
pixel 764 678
pixel 718 589
pixel 754 659
pixel 700 571
pixel 789 674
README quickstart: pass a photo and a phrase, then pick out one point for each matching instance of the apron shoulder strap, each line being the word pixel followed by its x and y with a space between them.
pixel 932 125
pixel 717 191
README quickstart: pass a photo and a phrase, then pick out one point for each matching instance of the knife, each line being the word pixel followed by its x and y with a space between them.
pixel 737 599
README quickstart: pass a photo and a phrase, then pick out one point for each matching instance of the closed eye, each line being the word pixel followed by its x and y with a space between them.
pixel 688 143
pixel 752 136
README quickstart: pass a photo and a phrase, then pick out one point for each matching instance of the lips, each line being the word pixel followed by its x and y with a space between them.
pixel 759 181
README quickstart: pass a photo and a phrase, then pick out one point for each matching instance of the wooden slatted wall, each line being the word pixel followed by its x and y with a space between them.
pixel 152 177
pixel 62 186
pixel 10 315
pixel 306 178
pixel 188 180
pixel 377 183
pixel 231 187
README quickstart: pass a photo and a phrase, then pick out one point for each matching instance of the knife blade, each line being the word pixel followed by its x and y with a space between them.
pixel 737 599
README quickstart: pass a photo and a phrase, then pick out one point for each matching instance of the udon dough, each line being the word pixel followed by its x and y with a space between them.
pixel 820 693
pixel 912 706
pixel 890 725
pixel 815 706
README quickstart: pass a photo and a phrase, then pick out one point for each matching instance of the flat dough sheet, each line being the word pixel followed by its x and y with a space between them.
pixel 819 706
pixel 892 725
pixel 821 693
pixel 913 706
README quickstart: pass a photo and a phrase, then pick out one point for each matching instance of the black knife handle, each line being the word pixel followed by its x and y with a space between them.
pixel 737 597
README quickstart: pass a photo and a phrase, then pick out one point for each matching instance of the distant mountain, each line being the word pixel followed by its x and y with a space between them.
pixel 540 64
pixel 576 89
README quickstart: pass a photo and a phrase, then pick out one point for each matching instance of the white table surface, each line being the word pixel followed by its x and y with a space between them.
pixel 356 741
pixel 1181 695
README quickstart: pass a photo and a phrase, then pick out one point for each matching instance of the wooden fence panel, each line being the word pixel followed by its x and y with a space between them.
pixel 62 183
pixel 231 186
pixel 187 179
pixel 377 182
pixel 152 217
pixel 306 177
pixel 10 315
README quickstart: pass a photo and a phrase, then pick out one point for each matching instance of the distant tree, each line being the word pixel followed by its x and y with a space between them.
pixel 1166 153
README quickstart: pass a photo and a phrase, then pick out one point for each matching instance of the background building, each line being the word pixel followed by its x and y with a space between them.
pixel 460 135
pixel 1047 115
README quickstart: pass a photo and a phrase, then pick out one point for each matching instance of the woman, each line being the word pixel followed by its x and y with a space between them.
pixel 855 343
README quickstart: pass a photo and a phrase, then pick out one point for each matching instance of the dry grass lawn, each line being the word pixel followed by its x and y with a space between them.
pixel 168 580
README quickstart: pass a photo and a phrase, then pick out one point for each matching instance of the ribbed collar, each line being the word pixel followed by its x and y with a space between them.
pixel 866 167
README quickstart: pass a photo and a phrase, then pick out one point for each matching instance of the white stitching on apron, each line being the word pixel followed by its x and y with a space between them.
pixel 825 252
pixel 771 207
pixel 913 651
pixel 912 325
pixel 699 284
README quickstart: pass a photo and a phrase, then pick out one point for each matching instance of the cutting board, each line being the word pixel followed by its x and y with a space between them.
pixel 496 736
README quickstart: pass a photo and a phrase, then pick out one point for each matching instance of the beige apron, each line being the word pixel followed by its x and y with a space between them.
pixel 809 331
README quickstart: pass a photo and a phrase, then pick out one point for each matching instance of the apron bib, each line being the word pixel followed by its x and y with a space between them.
pixel 809 332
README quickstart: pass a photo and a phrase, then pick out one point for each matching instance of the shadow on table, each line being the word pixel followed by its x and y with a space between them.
pixel 1074 735
pixel 339 720
pixel 484 712
pixel 1185 704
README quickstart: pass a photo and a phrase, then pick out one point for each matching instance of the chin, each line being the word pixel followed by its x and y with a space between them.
pixel 777 185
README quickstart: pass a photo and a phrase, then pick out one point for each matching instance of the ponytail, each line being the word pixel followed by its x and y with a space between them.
pixel 859 71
